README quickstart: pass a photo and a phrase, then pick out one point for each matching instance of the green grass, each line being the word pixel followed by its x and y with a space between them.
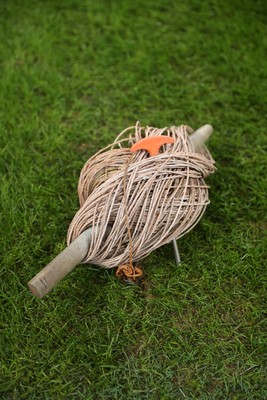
pixel 73 74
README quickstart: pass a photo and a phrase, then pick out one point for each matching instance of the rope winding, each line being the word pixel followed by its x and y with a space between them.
pixel 158 198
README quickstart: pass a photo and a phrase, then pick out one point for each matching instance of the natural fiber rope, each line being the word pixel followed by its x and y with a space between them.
pixel 165 195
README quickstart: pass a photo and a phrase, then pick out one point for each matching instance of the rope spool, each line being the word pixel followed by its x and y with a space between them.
pixel 131 203
pixel 165 197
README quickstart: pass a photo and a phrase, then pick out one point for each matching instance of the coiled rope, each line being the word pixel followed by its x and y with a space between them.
pixel 142 202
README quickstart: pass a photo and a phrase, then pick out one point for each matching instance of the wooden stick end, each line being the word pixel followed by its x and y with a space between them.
pixel 36 291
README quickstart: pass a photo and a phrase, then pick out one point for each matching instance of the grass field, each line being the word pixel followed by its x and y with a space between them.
pixel 73 74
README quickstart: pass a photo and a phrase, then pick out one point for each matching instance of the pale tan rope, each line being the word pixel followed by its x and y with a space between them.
pixel 166 195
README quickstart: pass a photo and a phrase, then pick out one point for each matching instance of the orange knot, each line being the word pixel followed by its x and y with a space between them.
pixel 129 272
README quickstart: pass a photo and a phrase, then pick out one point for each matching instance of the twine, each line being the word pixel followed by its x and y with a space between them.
pixel 137 202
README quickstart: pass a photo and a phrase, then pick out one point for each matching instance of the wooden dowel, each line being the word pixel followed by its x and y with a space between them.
pixel 58 268
pixel 200 136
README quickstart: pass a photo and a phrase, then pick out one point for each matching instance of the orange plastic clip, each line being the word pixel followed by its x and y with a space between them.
pixel 152 144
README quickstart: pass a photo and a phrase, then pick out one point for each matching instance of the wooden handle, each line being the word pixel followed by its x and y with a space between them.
pixel 200 136
pixel 58 268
